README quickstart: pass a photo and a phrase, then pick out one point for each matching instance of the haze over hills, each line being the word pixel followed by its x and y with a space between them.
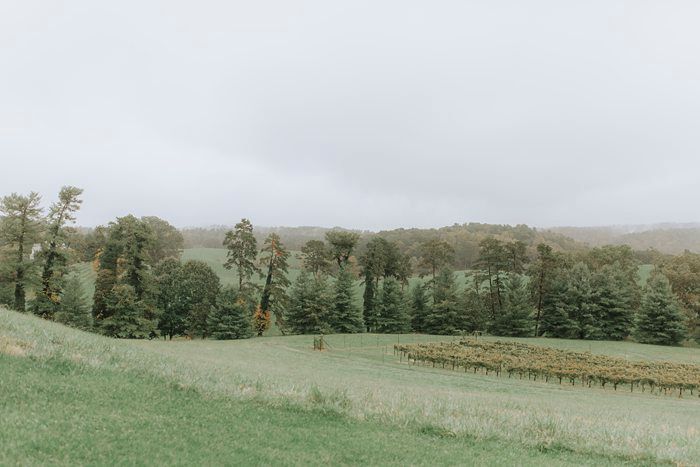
pixel 670 238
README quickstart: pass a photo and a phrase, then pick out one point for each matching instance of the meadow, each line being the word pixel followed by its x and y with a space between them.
pixel 74 397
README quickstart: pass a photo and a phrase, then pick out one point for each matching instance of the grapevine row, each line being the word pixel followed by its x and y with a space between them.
pixel 545 363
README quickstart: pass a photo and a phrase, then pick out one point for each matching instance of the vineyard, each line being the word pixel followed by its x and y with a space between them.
pixel 545 363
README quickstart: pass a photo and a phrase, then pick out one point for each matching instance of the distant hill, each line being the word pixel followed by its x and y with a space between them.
pixel 667 238
pixel 464 238
pixel 293 237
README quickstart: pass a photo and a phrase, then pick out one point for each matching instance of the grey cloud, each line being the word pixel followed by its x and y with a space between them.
pixel 362 114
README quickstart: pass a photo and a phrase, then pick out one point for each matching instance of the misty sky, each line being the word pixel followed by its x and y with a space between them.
pixel 365 114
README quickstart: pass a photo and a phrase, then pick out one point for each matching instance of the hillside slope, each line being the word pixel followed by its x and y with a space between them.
pixel 72 397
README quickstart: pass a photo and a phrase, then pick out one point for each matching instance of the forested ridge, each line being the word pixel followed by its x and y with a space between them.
pixel 519 281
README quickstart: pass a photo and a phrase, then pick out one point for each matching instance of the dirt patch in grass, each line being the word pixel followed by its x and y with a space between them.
pixel 14 347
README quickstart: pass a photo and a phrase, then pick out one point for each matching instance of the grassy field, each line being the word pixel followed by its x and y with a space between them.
pixel 71 397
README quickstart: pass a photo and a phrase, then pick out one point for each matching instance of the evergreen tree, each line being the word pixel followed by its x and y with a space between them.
pixel 74 309
pixel 370 312
pixel 20 228
pixel 555 320
pixel 242 251
pixel 124 262
pixel 53 253
pixel 126 315
pixel 6 294
pixel 542 273
pixel 393 316
pixel 420 307
pixel 232 317
pixel 307 313
pixel 516 318
pixel 660 319
pixel 516 256
pixel 614 298
pixel 444 312
pixel 274 295
pixel 581 304
pixel 345 316
pixel 381 259
pixel 474 314
pixel 493 262
pixel 135 239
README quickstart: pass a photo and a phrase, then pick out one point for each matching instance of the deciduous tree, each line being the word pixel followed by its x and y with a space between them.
pixel 316 257
pixel 341 245
pixel 167 240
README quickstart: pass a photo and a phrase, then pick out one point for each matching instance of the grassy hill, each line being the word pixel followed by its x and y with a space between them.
pixel 71 397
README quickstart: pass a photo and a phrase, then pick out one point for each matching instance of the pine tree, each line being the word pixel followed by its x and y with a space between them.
pixel 53 253
pixel 444 312
pixel 232 317
pixel 555 320
pixel 542 272
pixel 126 315
pixel 493 262
pixel 308 310
pixel 274 258
pixel 660 319
pixel 345 316
pixel 369 303
pixel 614 298
pixel 474 313
pixel 393 316
pixel 242 251
pixel 124 262
pixel 20 228
pixel 74 309
pixel 516 318
pixel 420 307
pixel 581 304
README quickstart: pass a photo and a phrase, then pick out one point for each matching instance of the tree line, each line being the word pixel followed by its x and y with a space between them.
pixel 143 289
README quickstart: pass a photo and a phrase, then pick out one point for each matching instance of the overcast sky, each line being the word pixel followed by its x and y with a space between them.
pixel 365 114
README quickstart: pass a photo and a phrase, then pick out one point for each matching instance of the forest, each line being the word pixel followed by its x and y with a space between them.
pixel 463 279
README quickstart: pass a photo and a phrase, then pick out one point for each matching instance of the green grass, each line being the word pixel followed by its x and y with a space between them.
pixel 60 412
pixel 64 405
pixel 72 397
